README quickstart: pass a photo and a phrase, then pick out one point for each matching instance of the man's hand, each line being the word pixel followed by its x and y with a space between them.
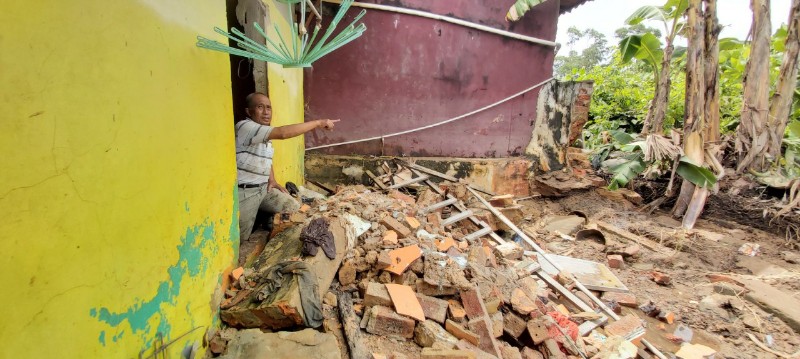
pixel 273 184
pixel 327 124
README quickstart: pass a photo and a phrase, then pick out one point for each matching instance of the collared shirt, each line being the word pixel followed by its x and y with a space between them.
pixel 253 152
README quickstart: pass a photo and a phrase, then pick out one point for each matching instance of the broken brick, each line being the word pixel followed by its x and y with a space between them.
pixel 393 224
pixel 509 352
pixel 236 273
pixel 528 353
pixel 444 244
pixel 629 327
pixel 537 329
pixel 458 331
pixel 430 353
pixel 434 308
pixel 631 250
pixel 412 222
pixel 480 354
pixel 456 310
pixel 376 294
pixel 521 302
pixel 434 219
pixel 497 324
pixel 615 261
pixel 435 290
pixel 347 273
pixel 553 349
pixel 668 317
pixel 384 260
pixel 473 303
pixel 384 321
pixel 217 345
pixel 660 278
pixel 509 250
pixel 624 299
pixel 483 328
pixel 390 237
pixel 402 197
pixel 513 325
pixel 428 333
pixel 503 200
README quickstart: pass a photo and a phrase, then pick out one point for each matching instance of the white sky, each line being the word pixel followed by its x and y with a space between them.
pixel 609 15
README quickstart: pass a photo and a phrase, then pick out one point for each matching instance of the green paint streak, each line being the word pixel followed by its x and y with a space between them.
pixel 234 230
pixel 190 262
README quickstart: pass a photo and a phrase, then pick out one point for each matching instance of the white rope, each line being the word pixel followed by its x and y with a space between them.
pixel 451 20
pixel 434 124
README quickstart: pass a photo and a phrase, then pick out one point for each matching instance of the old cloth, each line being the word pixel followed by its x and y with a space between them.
pixel 281 275
pixel 315 235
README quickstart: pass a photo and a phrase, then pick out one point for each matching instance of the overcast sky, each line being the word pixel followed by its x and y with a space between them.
pixel 609 15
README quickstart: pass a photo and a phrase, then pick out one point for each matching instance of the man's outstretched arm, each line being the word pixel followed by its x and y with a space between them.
pixel 289 131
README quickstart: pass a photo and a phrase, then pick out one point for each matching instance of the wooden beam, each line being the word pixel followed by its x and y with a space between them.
pixel 410 182
pixel 352 329
pixel 283 308
pixel 375 179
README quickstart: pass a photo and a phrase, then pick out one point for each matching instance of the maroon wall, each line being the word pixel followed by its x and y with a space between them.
pixel 407 72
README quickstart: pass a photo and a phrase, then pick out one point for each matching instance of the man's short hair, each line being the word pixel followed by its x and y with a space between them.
pixel 249 98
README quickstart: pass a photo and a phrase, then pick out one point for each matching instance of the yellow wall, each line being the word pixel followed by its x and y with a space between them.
pixel 117 193
pixel 286 94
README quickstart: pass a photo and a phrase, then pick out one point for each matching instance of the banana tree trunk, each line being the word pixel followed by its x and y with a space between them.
pixel 691 196
pixel 711 55
pixel 654 122
pixel 753 134
pixel 781 103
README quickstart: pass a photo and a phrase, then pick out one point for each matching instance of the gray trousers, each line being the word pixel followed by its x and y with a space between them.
pixel 254 198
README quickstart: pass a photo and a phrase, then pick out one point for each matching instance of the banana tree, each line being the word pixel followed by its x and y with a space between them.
pixel 520 7
pixel 647 48
pixel 753 134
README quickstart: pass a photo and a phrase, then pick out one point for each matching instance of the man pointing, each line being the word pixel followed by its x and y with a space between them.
pixel 254 151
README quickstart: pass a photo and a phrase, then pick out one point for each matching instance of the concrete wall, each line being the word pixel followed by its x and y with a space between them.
pixel 406 72
pixel 118 190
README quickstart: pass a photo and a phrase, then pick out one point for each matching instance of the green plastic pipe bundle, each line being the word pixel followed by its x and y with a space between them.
pixel 298 52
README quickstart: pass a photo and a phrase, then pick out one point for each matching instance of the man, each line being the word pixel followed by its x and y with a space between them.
pixel 257 185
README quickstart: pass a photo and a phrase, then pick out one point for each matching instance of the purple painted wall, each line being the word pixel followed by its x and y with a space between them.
pixel 406 72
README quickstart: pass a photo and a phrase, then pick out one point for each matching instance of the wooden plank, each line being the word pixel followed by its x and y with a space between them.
pixel 477 234
pixel 564 291
pixel 375 180
pixel 352 329
pixel 438 205
pixel 283 308
pixel 456 217
pixel 409 182
pixel 649 244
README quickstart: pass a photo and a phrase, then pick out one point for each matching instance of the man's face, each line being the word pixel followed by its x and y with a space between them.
pixel 260 110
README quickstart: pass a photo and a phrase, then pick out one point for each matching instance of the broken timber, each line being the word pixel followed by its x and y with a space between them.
pixel 450 200
pixel 284 309
pixel 352 329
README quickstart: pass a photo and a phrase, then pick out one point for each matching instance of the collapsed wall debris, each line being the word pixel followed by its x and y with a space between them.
pixel 422 262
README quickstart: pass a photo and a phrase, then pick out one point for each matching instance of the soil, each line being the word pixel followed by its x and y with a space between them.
pixel 712 248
